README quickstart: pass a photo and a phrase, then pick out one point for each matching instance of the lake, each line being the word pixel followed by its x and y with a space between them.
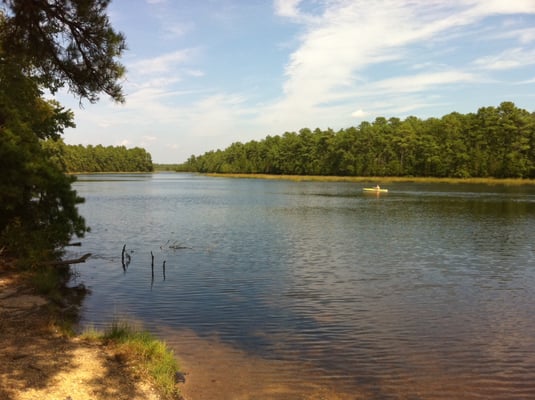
pixel 271 289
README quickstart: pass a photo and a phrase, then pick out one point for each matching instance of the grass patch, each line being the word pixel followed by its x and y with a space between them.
pixel 153 357
pixel 380 179
pixel 92 334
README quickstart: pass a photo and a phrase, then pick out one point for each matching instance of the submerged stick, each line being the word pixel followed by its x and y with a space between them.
pixel 152 265
pixel 151 270
pixel 122 257
pixel 68 262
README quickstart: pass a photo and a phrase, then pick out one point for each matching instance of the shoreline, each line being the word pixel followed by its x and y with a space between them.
pixel 333 178
pixel 380 179
pixel 42 359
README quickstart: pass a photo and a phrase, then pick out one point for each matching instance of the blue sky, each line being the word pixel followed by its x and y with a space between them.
pixel 202 74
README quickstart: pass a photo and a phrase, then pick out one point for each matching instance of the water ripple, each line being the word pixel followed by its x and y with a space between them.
pixel 425 293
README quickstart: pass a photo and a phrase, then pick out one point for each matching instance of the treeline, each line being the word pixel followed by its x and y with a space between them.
pixel 78 158
pixel 494 142
pixel 166 167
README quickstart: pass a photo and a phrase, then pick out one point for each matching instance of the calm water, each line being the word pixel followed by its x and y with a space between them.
pixel 425 292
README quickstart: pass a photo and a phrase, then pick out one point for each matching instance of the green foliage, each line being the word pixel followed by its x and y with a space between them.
pixel 39 213
pixel 66 42
pixel 50 281
pixel 156 359
pixel 494 142
pixel 98 158
pixel 46 45
pixel 45 280
pixel 167 167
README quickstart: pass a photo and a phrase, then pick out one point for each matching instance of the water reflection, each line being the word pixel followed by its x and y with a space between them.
pixel 423 293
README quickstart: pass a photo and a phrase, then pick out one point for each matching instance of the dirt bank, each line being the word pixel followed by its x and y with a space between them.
pixel 38 362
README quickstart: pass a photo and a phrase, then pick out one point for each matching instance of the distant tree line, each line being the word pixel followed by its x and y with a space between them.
pixel 78 158
pixel 494 142
pixel 166 167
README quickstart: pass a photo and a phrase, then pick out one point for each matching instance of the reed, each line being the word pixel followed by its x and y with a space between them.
pixel 380 179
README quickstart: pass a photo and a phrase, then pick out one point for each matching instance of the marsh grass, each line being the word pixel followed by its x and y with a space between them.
pixel 92 334
pixel 379 179
pixel 152 356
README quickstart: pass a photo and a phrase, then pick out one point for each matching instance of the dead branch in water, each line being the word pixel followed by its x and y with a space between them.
pixel 122 258
pixel 68 262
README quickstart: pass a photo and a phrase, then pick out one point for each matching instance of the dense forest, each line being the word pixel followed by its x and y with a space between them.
pixel 493 142
pixel 78 158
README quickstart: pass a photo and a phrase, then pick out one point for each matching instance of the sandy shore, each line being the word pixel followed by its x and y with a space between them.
pixel 38 362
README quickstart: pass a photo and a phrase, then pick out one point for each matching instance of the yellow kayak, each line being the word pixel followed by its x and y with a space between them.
pixel 375 190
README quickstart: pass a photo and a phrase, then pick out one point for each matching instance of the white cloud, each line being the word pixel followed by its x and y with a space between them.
pixel 175 30
pixel 215 114
pixel 421 82
pixel 525 36
pixel 508 59
pixel 153 86
pixel 287 8
pixel 163 63
pixel 104 124
pixel 492 7
pixel 526 81
pixel 360 113
pixel 339 47
pixel 194 72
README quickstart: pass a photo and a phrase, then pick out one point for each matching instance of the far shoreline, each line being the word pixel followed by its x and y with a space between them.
pixel 331 178
pixel 378 179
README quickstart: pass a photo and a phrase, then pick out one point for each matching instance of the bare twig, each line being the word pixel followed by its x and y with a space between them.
pixel 68 262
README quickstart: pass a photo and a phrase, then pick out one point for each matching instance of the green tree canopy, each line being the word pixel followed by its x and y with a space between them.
pixel 65 42
pixel 78 158
pixel 45 45
pixel 494 142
